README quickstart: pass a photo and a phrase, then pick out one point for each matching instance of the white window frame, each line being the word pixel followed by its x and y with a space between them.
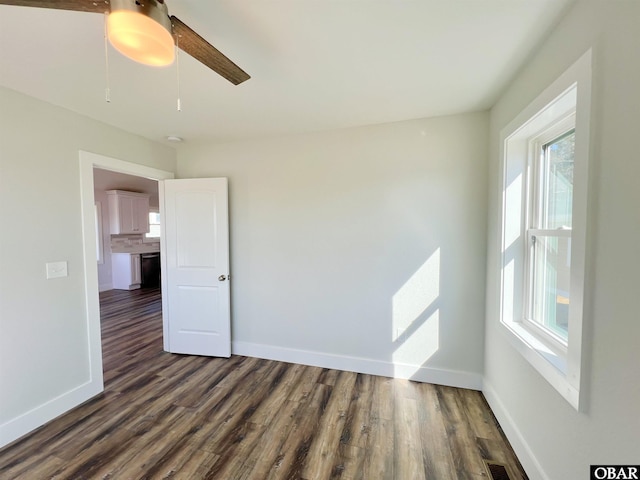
pixel 568 98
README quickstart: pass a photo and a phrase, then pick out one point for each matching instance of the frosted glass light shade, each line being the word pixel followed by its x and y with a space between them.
pixel 141 38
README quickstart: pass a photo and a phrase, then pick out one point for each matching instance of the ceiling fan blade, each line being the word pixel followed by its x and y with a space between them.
pixel 97 6
pixel 203 51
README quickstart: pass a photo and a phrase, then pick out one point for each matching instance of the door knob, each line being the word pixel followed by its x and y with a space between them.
pixel 222 278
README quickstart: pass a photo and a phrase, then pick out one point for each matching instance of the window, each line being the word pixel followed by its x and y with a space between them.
pixel 154 226
pixel 549 232
pixel 545 153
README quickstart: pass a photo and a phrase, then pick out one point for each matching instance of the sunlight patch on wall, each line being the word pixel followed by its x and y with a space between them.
pixel 513 212
pixel 416 316
pixel 420 345
pixel 508 289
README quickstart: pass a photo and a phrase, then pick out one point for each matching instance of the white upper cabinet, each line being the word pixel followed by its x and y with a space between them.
pixel 128 212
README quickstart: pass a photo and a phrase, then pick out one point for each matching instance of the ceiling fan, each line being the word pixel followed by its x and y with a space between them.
pixel 143 31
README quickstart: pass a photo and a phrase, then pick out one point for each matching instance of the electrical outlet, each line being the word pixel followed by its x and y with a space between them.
pixel 57 269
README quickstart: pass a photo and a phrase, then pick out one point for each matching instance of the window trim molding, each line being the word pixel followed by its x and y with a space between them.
pixel 564 372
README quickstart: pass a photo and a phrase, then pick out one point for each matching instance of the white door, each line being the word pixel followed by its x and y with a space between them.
pixel 195 266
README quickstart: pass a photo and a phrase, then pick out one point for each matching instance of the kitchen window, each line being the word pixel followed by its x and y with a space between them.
pixel 154 226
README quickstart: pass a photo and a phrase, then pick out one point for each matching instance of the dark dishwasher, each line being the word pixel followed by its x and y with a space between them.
pixel 150 263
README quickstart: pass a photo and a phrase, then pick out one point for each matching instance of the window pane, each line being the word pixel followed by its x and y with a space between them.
pixel 154 218
pixel 550 286
pixel 154 225
pixel 557 195
pixel 154 231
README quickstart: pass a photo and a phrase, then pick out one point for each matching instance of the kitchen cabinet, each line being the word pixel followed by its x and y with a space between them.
pixel 125 271
pixel 128 212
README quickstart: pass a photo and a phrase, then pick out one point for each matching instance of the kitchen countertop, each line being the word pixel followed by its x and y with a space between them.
pixel 136 249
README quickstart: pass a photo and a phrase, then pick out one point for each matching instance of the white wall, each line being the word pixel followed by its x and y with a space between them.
pixel 359 249
pixel 553 440
pixel 43 340
pixel 105 282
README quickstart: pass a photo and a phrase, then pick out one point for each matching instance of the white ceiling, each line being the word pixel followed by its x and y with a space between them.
pixel 315 64
pixel 108 180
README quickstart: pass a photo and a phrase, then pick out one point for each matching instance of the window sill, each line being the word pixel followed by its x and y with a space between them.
pixel 551 365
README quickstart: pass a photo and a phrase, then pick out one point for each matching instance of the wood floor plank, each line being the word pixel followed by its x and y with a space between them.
pixel 479 417
pixel 291 460
pixel 225 418
pixel 279 395
pixel 165 416
pixel 462 440
pixel 378 461
pixel 358 417
pixel 192 465
pixel 322 452
pixel 99 456
pixel 408 442
pixel 437 457
pixel 308 381
pixel 382 403
pixel 33 467
pixel 349 463
pixel 156 450
pixel 328 376
pixel 269 454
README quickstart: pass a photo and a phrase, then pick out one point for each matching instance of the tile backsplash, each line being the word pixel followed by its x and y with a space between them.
pixel 127 242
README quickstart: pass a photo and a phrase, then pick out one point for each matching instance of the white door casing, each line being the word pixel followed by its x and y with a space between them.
pixel 195 266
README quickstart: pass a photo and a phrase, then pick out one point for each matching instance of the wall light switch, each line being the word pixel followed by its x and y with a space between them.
pixel 57 269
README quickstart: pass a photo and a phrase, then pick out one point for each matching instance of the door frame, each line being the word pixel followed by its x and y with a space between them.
pixel 89 161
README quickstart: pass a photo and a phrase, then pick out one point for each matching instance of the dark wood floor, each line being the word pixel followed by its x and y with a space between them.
pixel 185 417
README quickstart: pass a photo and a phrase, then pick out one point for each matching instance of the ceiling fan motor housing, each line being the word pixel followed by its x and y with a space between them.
pixel 141 30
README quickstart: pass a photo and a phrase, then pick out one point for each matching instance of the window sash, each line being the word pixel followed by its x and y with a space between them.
pixel 532 319
pixel 536 164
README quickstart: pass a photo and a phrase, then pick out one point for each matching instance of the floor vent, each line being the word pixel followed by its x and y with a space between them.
pixel 496 471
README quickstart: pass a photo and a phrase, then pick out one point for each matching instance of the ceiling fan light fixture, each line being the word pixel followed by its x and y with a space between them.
pixel 141 31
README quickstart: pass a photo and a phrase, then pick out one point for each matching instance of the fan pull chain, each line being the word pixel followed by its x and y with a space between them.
pixel 107 92
pixel 179 103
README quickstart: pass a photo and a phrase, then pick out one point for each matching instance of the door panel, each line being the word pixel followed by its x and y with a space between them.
pixel 195 244
pixel 195 227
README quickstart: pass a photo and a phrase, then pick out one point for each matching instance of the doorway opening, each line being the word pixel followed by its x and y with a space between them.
pixel 130 293
pixel 89 163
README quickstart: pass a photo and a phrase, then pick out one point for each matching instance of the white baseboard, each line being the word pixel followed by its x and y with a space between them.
pixel 418 373
pixel 36 417
pixel 528 460
pixel 104 287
